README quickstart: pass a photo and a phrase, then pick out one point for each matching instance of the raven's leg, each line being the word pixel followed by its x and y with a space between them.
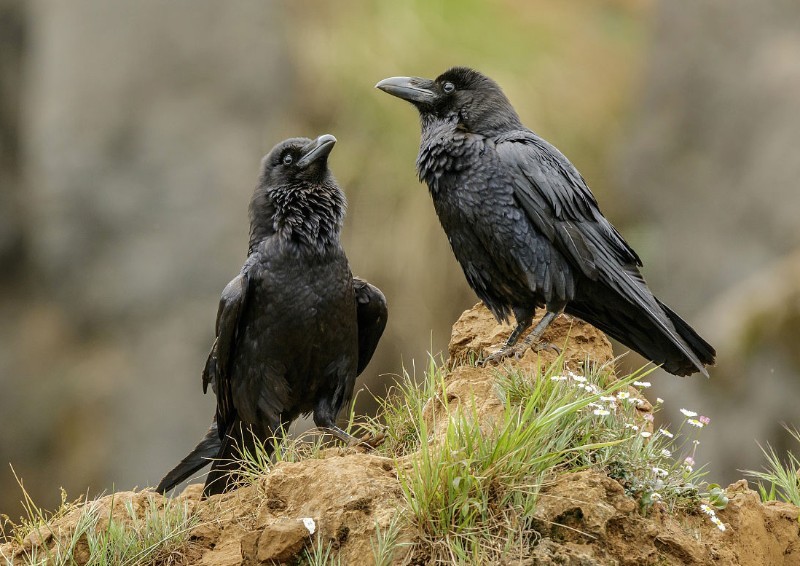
pixel 225 467
pixel 522 325
pixel 351 441
pixel 537 332
pixel 325 411
pixel 511 349
pixel 242 439
pixel 348 439
pixel 524 318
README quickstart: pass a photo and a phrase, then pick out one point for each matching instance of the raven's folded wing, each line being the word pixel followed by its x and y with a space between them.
pixel 371 314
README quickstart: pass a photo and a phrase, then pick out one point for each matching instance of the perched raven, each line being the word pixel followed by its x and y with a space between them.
pixel 294 328
pixel 525 227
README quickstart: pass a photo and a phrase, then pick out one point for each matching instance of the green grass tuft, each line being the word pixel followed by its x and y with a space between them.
pixel 472 491
pixel 154 536
pixel 783 477
pixel 320 554
pixel 386 542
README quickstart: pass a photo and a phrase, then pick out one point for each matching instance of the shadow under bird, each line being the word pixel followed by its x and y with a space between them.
pixel 294 328
pixel 527 230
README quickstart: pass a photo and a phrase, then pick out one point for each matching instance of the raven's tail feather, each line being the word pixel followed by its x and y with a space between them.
pixel 702 349
pixel 225 470
pixel 200 456
pixel 667 341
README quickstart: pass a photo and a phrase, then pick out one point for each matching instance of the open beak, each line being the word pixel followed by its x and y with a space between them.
pixel 412 89
pixel 319 149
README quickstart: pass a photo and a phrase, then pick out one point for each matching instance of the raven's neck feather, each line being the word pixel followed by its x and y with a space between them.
pixel 310 215
pixel 444 148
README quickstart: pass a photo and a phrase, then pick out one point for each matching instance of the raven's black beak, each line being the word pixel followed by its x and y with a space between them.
pixel 412 89
pixel 320 148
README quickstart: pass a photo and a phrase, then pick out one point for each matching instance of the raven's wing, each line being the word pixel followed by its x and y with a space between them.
pixel 560 205
pixel 217 370
pixel 371 313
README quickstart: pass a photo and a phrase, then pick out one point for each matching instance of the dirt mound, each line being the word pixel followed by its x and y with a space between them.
pixel 477 333
pixel 340 498
pixel 582 518
pixel 585 518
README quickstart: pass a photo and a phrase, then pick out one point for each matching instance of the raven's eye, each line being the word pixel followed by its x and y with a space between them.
pixel 288 159
pixel 448 87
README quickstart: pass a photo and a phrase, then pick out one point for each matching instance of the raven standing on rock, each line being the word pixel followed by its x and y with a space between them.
pixel 527 230
pixel 294 328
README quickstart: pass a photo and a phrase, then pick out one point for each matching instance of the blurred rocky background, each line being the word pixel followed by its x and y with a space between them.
pixel 710 178
pixel 130 138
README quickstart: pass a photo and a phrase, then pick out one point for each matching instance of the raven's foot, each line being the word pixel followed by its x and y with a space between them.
pixel 498 356
pixel 367 441
pixel 517 352
pixel 533 340
pixel 347 439
pixel 541 346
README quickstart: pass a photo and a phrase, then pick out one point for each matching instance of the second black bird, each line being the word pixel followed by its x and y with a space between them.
pixel 294 328
pixel 525 227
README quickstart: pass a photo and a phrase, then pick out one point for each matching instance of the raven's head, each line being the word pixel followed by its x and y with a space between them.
pixel 297 196
pixel 462 94
pixel 297 160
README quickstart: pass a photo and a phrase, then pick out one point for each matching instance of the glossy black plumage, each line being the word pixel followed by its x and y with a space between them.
pixel 294 328
pixel 525 227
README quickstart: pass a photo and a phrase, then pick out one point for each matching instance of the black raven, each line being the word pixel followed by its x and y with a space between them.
pixel 525 227
pixel 294 328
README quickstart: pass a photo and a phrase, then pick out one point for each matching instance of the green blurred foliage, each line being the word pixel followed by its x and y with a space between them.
pixel 568 67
